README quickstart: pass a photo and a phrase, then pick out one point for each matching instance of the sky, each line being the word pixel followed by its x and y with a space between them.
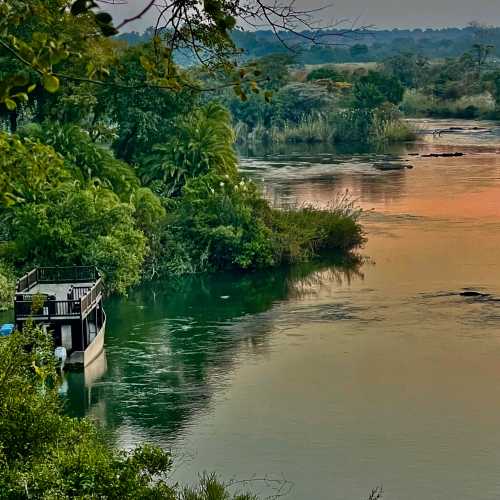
pixel 377 13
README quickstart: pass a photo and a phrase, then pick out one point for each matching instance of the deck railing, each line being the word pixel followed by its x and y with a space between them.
pixel 73 274
pixel 80 300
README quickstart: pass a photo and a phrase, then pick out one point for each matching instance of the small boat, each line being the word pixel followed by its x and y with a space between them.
pixel 66 301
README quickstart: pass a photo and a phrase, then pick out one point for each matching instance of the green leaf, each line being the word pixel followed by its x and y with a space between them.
pixel 22 96
pixel 108 30
pixel 103 17
pixel 79 7
pixel 10 104
pixel 51 83
pixel 31 88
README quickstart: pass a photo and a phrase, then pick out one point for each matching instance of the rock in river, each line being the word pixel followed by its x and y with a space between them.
pixel 442 155
pixel 391 166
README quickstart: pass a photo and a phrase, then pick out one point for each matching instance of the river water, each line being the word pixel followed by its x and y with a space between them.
pixel 330 378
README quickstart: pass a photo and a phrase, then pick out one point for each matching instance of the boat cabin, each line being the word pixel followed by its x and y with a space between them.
pixel 67 301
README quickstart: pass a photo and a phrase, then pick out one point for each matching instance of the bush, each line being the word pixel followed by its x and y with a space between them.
pixel 352 126
pixel 217 224
pixel 223 224
pixel 387 126
pixel 7 286
pixel 324 73
pixel 417 103
pixel 308 231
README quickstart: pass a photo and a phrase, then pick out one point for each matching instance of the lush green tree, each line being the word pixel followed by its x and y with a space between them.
pixel 375 88
pixel 143 115
pixel 410 69
pixel 74 226
pixel 84 159
pixel 296 100
pixel 27 169
pixel 495 87
pixel 200 143
pixel 359 51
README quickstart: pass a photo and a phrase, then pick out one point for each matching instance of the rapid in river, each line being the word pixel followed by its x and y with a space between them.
pixel 331 378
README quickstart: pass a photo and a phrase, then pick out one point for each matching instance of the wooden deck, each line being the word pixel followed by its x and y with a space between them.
pixel 68 292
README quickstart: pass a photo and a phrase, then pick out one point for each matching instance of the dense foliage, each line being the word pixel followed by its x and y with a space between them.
pixel 110 161
pixel 7 284
pixel 325 104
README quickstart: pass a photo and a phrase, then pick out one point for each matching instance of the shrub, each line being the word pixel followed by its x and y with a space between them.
pixel 324 73
pixel 218 223
pixel 352 125
pixel 417 103
pixel 223 224
pixel 7 286
pixel 308 231
pixel 387 126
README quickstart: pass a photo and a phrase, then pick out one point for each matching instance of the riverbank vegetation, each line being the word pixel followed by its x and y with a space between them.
pixel 114 156
pixel 462 87
pixel 367 102
pixel 7 284
pixel 323 105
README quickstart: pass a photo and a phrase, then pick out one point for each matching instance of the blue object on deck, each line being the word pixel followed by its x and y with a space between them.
pixel 6 330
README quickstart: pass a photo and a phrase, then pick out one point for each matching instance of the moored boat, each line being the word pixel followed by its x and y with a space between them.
pixel 67 301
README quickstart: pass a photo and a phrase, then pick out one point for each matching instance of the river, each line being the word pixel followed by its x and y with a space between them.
pixel 330 378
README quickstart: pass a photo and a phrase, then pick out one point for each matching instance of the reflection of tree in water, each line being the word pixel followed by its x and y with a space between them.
pixel 169 345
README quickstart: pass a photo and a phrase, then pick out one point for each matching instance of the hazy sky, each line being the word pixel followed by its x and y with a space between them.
pixel 380 13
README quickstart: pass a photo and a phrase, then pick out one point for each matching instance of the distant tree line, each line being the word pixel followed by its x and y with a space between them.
pixel 354 46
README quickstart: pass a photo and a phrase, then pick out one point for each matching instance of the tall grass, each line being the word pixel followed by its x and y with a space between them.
pixel 308 230
pixel 392 131
pixel 347 126
pixel 309 130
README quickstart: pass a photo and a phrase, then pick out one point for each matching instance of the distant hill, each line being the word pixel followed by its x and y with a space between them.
pixel 364 46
